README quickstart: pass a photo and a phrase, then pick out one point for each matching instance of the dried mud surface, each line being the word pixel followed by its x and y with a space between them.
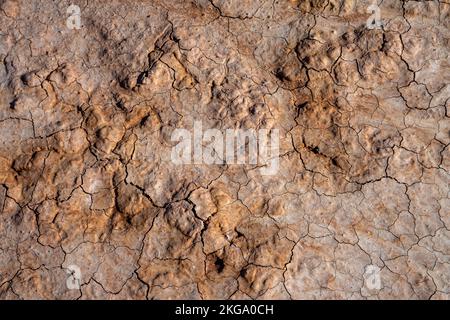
pixel 86 178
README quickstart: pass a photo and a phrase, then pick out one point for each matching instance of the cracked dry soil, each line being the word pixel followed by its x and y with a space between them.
pixel 86 178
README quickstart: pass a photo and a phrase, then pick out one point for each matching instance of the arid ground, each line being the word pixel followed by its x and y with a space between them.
pixel 92 205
